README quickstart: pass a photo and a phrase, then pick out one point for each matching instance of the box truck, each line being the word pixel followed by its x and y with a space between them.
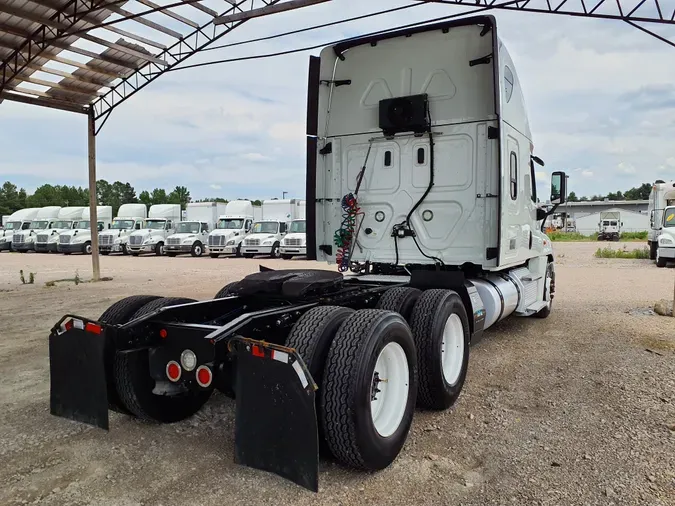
pixel 47 241
pixel 609 226
pixel 192 234
pixel 24 240
pixel 78 240
pixel 129 217
pixel 161 223
pixel 661 196
pixel 295 241
pixel 266 234
pixel 17 221
pixel 421 187
pixel 231 229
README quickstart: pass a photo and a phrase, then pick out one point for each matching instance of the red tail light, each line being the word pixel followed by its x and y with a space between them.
pixel 204 376
pixel 173 371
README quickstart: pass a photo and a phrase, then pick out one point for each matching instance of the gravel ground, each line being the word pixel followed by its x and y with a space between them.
pixel 575 409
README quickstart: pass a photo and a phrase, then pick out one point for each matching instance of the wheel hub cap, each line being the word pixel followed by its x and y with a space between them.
pixel 452 349
pixel 389 390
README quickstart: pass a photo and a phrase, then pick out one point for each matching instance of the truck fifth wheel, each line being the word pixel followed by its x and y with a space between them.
pixel 421 191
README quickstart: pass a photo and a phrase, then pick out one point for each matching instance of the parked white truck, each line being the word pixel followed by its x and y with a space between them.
pixel 129 217
pixel 78 240
pixel 17 221
pixel 295 241
pixel 161 223
pixel 266 234
pixel 47 240
pixel 231 229
pixel 424 131
pixel 609 227
pixel 661 196
pixel 24 240
pixel 192 234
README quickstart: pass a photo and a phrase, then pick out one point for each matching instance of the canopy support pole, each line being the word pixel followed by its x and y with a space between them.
pixel 93 215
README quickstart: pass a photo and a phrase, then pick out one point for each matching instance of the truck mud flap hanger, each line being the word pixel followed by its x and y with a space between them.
pixel 276 426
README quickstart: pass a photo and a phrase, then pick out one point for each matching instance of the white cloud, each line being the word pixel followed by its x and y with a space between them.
pixel 625 168
pixel 215 186
pixel 587 173
pixel 255 157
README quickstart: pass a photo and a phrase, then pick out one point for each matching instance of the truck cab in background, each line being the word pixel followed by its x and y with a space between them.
pixel 609 227
pixel 266 234
pixel 161 223
pixel 231 228
pixel 24 240
pixel 78 240
pixel 130 217
pixel 661 196
pixel 47 240
pixel 192 234
pixel 295 241
pixel 18 221
pixel 665 252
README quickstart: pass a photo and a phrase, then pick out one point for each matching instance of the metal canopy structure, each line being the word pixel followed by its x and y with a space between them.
pixel 89 56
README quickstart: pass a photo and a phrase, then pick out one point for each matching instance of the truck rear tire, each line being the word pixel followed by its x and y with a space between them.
pixel 225 291
pixel 401 300
pixel 366 421
pixel 134 384
pixel 653 246
pixel 440 327
pixel 120 312
pixel 197 249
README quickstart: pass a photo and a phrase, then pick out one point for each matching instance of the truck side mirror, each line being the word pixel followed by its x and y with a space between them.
pixel 558 188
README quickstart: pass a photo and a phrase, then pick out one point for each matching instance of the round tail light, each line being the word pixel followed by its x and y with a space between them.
pixel 173 371
pixel 204 376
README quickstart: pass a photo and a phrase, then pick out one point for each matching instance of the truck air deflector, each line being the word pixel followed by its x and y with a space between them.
pixel 77 372
pixel 276 426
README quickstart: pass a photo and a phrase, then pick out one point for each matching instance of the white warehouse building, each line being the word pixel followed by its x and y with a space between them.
pixel 631 221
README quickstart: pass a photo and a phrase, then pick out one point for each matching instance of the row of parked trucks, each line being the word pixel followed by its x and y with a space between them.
pixel 277 229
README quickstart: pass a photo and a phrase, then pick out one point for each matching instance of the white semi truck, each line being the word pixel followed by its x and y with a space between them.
pixel 192 234
pixel 231 228
pixel 609 226
pixel 24 240
pixel 661 196
pixel 161 223
pixel 421 183
pixel 294 242
pixel 47 240
pixel 17 221
pixel 129 217
pixel 78 240
pixel 266 234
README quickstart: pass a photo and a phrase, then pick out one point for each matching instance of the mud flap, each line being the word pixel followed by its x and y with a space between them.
pixel 78 388
pixel 275 422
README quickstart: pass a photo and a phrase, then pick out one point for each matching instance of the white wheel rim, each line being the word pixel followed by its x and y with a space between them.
pixel 452 349
pixel 88 250
pixel 387 406
pixel 198 250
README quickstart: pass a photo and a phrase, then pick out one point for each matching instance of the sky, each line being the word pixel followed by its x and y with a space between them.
pixel 600 96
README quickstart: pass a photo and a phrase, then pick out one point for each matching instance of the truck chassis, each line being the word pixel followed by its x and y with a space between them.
pixel 270 341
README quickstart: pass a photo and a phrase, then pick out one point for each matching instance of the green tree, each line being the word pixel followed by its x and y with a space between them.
pixel 158 196
pixel 572 197
pixel 180 195
pixel 45 195
pixel 22 199
pixel 145 198
pixel 257 202
pixel 9 198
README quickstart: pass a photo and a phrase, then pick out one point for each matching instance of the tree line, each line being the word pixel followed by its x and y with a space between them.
pixel 638 193
pixel 13 198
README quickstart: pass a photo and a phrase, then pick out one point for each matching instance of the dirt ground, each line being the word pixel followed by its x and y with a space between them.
pixel 578 408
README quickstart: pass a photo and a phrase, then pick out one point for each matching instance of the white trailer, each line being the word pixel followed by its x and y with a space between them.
pixel 421 182
pixel 661 196
pixel 17 221
pixel 129 217
pixel 161 223
pixel 231 229
pixel 47 240
pixel 78 240
pixel 267 233
pixel 192 234
pixel 4 220
pixel 24 240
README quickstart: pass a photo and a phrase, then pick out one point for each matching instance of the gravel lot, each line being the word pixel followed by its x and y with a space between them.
pixel 575 409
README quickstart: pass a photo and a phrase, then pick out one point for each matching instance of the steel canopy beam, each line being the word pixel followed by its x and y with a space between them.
pixel 642 11
pixel 267 10
pixel 173 56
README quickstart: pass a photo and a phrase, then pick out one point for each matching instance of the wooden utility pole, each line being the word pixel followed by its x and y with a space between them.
pixel 93 215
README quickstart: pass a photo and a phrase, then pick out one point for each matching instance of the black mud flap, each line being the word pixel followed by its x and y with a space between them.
pixel 78 388
pixel 275 422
